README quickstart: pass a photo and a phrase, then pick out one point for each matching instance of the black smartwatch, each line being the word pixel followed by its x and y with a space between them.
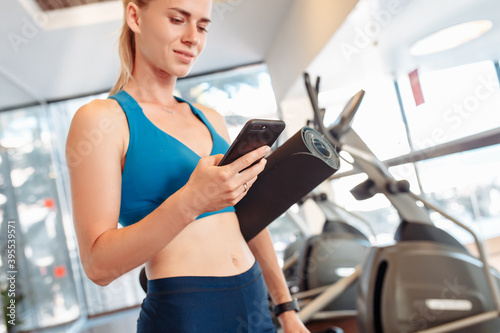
pixel 288 306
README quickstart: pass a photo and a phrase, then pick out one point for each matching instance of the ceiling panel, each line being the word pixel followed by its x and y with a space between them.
pixel 59 4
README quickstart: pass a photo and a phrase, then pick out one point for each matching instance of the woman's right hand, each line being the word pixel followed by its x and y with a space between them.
pixel 212 187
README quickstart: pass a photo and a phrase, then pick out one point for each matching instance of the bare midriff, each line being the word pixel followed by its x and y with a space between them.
pixel 210 246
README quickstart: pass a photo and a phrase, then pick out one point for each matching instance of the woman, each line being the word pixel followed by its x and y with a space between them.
pixel 149 161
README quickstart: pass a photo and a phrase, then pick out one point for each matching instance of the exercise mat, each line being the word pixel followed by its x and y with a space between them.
pixel 292 171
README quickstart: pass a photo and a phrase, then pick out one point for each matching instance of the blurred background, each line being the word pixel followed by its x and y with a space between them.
pixel 431 74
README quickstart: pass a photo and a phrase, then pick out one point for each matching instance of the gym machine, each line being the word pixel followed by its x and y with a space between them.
pixel 425 281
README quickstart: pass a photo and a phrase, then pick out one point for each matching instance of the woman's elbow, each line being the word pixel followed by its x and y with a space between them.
pixel 100 281
pixel 99 275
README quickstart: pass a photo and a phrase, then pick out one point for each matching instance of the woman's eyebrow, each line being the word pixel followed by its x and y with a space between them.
pixel 188 14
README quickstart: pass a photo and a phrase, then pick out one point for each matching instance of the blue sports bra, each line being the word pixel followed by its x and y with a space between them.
pixel 157 164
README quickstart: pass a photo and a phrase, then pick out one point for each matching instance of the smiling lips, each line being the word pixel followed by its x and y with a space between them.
pixel 185 57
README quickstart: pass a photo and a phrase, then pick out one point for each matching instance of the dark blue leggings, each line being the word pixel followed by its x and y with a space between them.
pixel 232 304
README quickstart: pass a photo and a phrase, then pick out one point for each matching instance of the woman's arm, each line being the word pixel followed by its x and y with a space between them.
pixel 94 151
pixel 263 250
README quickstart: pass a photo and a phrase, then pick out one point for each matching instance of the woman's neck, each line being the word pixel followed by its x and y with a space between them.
pixel 150 86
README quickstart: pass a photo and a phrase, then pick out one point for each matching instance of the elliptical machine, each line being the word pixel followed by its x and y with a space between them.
pixel 426 281
pixel 323 259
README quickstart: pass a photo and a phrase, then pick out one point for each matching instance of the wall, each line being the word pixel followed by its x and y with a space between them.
pixel 308 26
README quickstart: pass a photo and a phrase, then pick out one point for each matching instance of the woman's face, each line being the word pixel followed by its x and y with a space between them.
pixel 173 34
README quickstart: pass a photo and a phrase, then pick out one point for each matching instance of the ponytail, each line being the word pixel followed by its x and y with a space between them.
pixel 126 49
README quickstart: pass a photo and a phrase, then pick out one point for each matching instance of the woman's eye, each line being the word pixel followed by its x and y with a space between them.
pixel 203 29
pixel 176 20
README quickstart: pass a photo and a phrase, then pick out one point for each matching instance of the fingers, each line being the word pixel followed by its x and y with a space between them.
pixel 226 183
pixel 245 187
pixel 250 175
pixel 249 158
pixel 250 182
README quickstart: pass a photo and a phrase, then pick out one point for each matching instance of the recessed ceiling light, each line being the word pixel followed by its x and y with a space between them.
pixel 450 37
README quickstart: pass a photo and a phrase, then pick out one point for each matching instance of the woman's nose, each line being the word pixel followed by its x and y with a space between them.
pixel 191 35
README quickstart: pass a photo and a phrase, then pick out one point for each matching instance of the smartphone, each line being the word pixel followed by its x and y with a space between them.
pixel 256 133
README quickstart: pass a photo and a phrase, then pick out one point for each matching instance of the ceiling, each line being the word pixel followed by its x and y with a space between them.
pixel 72 52
pixel 349 58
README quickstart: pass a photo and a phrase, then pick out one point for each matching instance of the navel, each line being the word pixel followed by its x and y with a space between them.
pixel 235 261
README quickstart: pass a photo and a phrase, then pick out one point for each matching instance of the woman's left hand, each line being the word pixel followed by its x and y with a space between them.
pixel 291 323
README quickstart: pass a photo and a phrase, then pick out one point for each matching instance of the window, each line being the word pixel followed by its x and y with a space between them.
pixel 467 186
pixel 379 123
pixel 238 95
pixel 377 210
pixel 378 120
pixel 45 289
pixel 459 102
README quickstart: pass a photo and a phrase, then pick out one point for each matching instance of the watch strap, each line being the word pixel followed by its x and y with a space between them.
pixel 293 305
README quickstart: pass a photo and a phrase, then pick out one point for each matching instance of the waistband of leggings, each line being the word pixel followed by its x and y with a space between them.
pixel 183 284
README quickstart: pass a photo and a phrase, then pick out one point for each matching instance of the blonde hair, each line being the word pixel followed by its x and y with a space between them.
pixel 126 47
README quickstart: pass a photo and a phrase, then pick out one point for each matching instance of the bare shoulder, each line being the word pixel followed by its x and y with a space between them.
pixel 98 124
pixel 100 112
pixel 104 116
pixel 216 119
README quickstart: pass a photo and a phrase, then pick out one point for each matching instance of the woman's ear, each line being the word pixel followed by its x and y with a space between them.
pixel 132 16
